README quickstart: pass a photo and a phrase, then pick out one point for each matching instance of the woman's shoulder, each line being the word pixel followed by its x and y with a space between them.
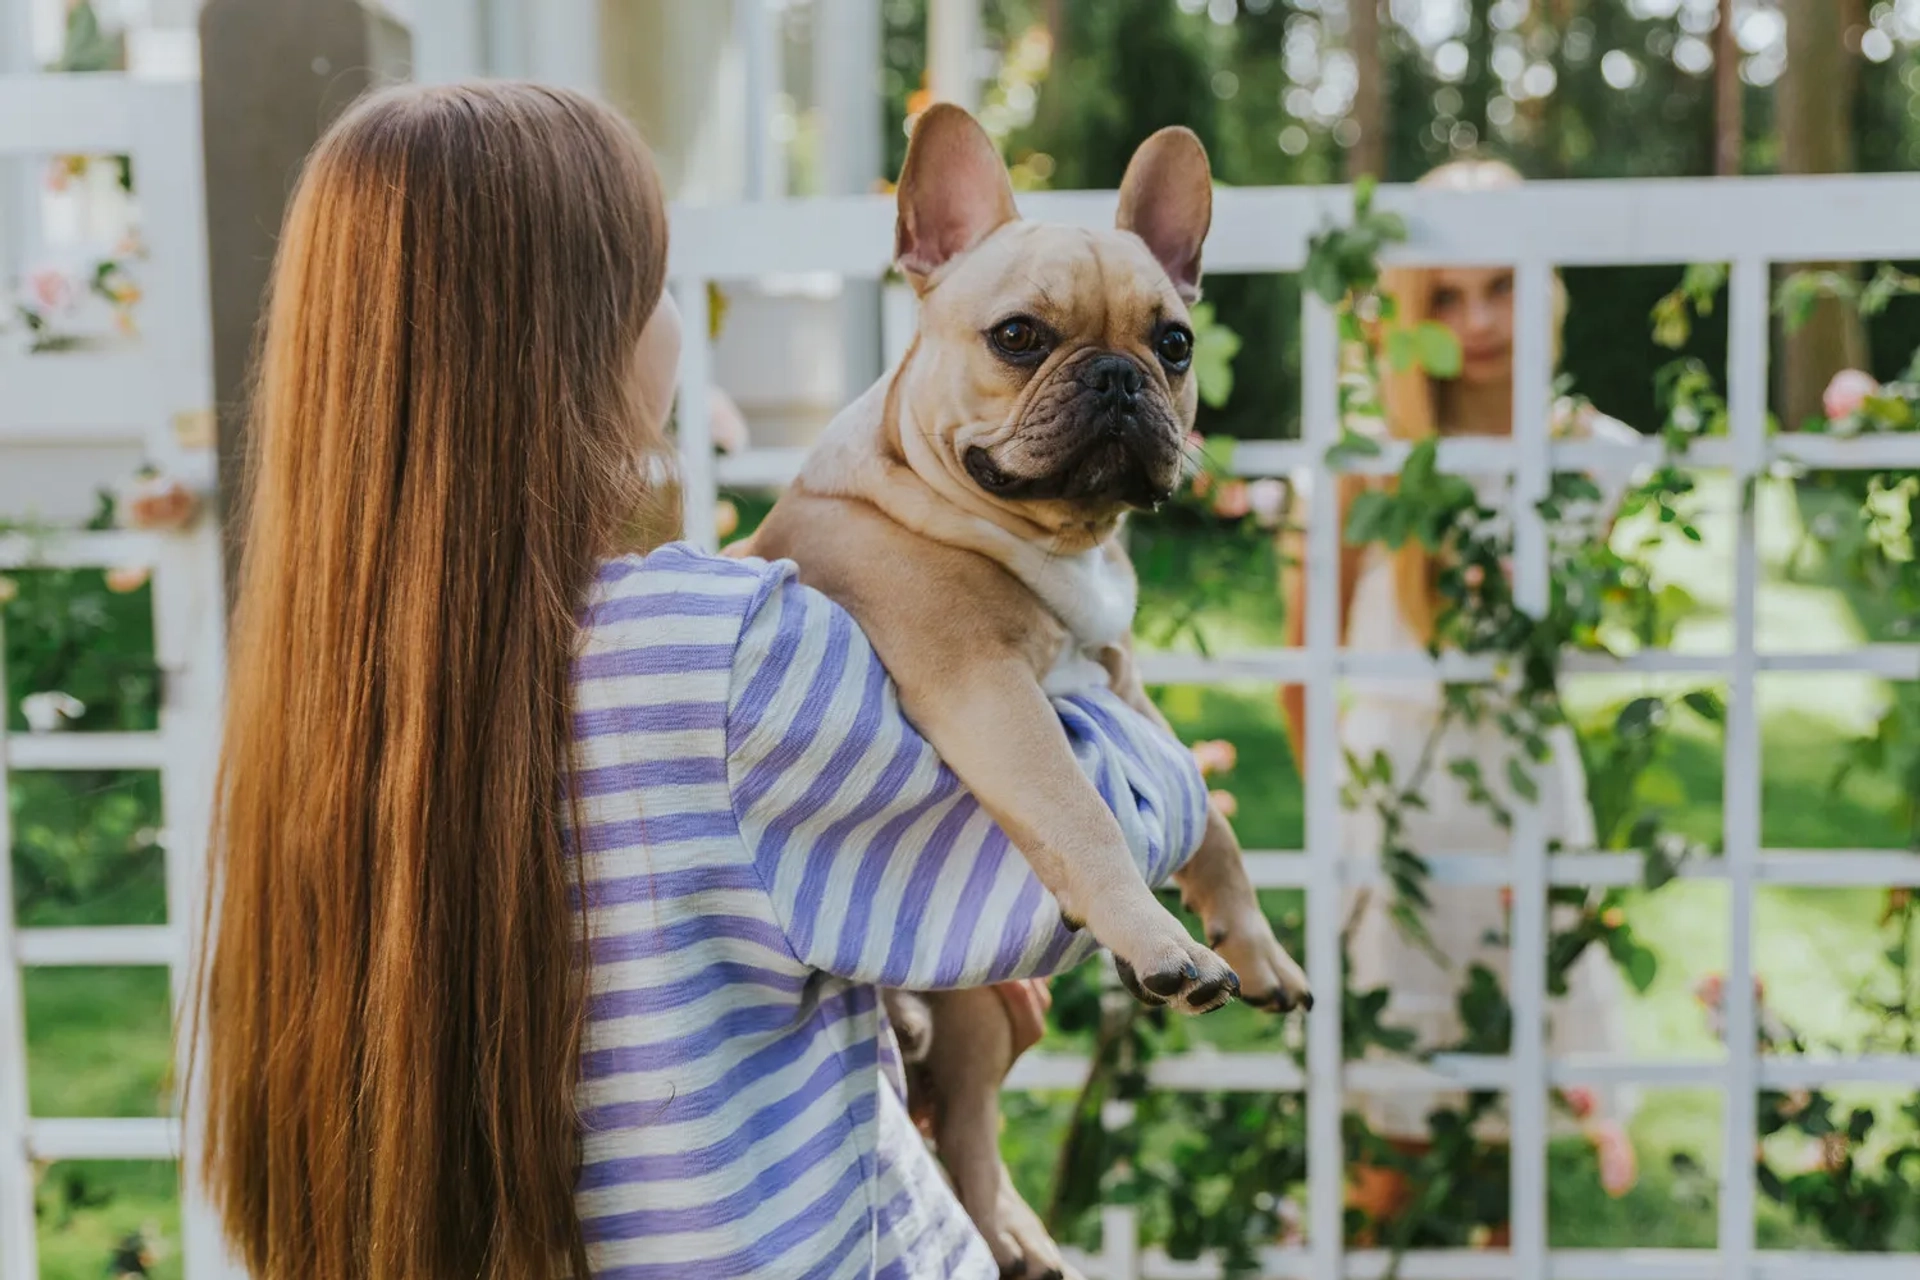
pixel 683 588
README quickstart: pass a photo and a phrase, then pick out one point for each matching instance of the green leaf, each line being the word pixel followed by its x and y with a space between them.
pixel 1363 188
pixel 1438 349
pixel 1707 704
pixel 1214 347
pixel 1522 782
pixel 1638 716
pixel 1217 453
pixel 1351 445
pixel 1401 350
pixel 1368 517
pixel 1642 967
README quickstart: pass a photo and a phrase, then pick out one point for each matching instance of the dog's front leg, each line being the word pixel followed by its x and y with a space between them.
pixel 994 727
pixel 1214 883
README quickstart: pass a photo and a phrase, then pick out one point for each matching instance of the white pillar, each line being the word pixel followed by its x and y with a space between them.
pixel 953 46
pixel 847 67
pixel 758 35
pixel 563 43
pixel 449 40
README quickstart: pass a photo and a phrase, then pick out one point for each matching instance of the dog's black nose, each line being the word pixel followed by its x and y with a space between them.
pixel 1116 379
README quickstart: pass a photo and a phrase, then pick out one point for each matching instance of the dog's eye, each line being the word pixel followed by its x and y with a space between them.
pixel 1174 347
pixel 1017 338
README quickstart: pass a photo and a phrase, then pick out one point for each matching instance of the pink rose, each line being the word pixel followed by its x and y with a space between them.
pixel 158 503
pixel 1619 1167
pixel 1224 802
pixel 1215 755
pixel 1580 1100
pixel 1847 393
pixel 1233 500
pixel 50 289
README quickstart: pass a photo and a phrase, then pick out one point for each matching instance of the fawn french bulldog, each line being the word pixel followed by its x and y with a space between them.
pixel 966 511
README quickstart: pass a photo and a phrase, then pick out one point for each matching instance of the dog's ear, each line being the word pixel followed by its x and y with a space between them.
pixel 953 192
pixel 1167 200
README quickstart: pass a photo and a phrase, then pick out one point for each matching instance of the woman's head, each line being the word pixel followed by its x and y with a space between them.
pixel 457 398
pixel 1476 304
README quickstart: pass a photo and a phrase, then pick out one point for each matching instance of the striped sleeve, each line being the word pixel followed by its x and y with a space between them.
pixel 880 866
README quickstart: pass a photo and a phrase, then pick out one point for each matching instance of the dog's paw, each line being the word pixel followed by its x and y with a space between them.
pixel 1186 975
pixel 1269 977
pixel 912 1022
pixel 1021 1246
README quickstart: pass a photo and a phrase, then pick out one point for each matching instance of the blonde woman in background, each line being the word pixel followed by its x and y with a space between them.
pixel 1390 601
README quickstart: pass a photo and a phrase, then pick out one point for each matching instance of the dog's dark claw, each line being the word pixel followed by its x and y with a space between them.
pixel 1131 981
pixel 1170 983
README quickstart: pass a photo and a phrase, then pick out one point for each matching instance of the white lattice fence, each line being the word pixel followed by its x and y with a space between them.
pixel 153 395
pixel 1749 224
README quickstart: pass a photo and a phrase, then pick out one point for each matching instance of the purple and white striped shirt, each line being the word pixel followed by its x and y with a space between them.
pixel 768 841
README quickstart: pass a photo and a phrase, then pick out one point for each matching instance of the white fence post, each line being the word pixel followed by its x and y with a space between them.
pixel 1119 1243
pixel 1320 427
pixel 694 415
pixel 1527 1100
pixel 1747 408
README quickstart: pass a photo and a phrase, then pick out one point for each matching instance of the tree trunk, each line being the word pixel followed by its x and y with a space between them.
pixel 1368 154
pixel 1815 107
pixel 1729 129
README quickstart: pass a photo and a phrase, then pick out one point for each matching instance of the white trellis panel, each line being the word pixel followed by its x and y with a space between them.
pixel 155 395
pixel 1750 224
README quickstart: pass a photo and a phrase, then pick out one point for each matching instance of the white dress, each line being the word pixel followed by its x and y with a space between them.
pixel 1397 718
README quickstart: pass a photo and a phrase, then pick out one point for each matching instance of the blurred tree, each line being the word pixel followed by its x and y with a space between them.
pixel 1815 112
pixel 1368 152
pixel 1728 126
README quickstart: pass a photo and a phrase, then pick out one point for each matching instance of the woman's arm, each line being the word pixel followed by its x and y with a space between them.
pixel 880 867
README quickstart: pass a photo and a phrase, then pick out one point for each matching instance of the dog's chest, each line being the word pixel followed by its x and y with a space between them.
pixel 1094 596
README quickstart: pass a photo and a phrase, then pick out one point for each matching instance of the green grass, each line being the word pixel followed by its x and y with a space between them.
pixel 99 1040
pixel 89 1207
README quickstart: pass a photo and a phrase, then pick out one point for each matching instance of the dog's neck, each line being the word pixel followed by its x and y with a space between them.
pixel 873 451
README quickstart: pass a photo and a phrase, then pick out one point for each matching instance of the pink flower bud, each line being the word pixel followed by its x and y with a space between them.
pixel 1233 500
pixel 127 578
pixel 1847 393
pixel 158 503
pixel 49 289
pixel 1619 1166
pixel 726 519
pixel 1580 1100
pixel 1215 755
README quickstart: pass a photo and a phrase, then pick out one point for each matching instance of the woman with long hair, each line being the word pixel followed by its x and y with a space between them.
pixel 554 882
pixel 1390 600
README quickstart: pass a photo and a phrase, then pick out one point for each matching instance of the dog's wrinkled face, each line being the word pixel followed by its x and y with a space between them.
pixel 1052 371
pixel 1070 357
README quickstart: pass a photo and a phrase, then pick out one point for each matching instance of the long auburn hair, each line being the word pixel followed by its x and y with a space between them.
pixel 1410 408
pixel 445 444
